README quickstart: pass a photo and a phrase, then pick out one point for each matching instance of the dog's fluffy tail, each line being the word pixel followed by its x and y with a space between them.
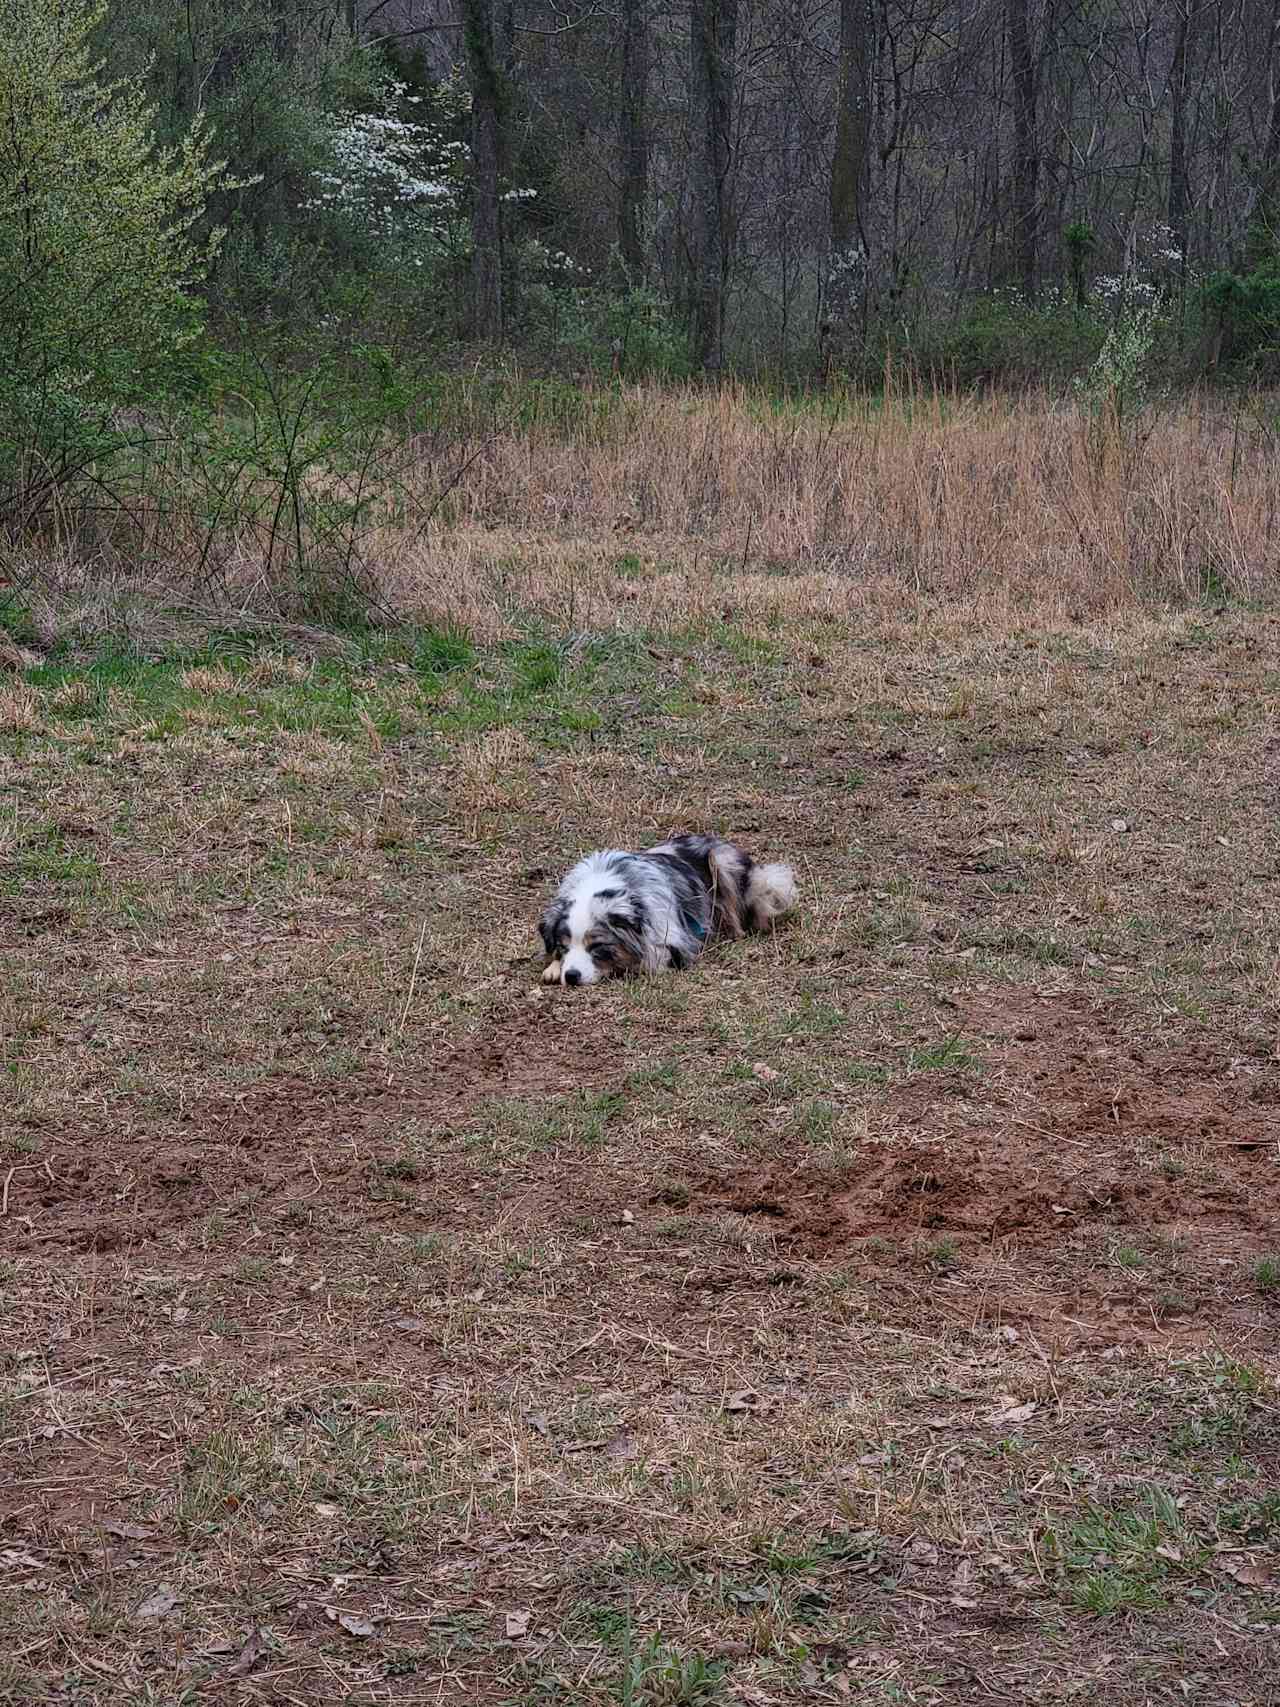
pixel 771 894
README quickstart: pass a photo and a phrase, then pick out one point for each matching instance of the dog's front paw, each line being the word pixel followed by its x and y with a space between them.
pixel 553 970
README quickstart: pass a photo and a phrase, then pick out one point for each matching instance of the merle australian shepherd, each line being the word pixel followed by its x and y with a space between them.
pixel 617 912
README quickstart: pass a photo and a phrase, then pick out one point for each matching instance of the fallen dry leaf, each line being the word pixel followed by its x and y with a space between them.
pixel 128 1531
pixel 1015 1413
pixel 159 1603
pixel 351 1622
pixel 255 1648
pixel 518 1625
pixel 1246 1569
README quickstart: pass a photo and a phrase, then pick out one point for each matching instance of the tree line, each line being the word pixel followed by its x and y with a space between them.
pixel 696 184
pixel 792 172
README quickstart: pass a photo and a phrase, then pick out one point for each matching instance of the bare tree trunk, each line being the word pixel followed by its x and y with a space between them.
pixel 634 138
pixel 712 43
pixel 1179 187
pixel 1026 151
pixel 848 270
pixel 1264 216
pixel 486 317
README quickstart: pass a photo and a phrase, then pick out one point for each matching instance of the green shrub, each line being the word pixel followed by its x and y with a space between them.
pixel 1002 338
pixel 633 332
pixel 97 251
pixel 1243 315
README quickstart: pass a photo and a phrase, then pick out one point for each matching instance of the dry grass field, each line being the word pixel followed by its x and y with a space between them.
pixel 884 1312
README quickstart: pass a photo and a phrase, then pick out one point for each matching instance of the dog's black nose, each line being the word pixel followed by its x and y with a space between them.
pixel 573 976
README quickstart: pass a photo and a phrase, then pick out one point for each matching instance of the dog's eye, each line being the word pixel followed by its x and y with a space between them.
pixel 620 922
pixel 601 951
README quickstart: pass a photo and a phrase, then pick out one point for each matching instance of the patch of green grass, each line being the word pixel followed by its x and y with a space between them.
pixel 942 1257
pixel 44 857
pixel 441 651
pixel 742 646
pixel 559 687
pixel 818 1122
pixel 1037 946
pixel 812 1017
pixel 536 666
pixel 16 621
pixel 674 1193
pixel 659 1675
pixel 867 1073
pixel 1213 1433
pixel 1128 1256
pixel 525 1124
pixel 1115 1558
pixel 1256 1519
pixel 1266 1276
pixel 662 1075
pixel 146 682
pixel 1173 1303
pixel 948 1055
pixel 405 1166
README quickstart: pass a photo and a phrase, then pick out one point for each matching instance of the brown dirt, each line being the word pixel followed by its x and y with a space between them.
pixel 116 1184
pixel 1082 1142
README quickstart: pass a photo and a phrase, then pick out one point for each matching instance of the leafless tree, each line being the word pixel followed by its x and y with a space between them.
pixel 713 29
pixel 486 309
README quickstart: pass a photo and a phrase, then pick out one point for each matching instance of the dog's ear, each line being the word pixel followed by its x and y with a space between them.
pixel 628 927
pixel 550 923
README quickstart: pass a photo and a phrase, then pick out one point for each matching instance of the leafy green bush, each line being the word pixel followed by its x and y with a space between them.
pixel 633 332
pixel 1001 337
pixel 269 78
pixel 284 469
pixel 97 251
pixel 1243 315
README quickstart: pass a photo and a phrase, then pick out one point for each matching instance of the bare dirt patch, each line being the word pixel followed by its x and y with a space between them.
pixel 1077 1174
pixel 117 1182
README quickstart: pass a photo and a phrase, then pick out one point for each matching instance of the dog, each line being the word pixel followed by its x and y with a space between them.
pixel 618 913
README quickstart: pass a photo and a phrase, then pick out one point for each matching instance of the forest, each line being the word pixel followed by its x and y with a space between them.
pixel 978 189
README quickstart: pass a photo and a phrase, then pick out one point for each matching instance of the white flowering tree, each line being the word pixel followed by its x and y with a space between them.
pixel 395 173
pixel 400 182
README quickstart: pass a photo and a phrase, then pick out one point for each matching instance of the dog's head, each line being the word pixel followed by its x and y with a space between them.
pixel 592 930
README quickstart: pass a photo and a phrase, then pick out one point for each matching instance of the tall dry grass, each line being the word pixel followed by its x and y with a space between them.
pixel 676 503
pixel 661 506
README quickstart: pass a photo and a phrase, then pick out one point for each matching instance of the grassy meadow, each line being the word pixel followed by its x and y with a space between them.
pixel 883 1311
